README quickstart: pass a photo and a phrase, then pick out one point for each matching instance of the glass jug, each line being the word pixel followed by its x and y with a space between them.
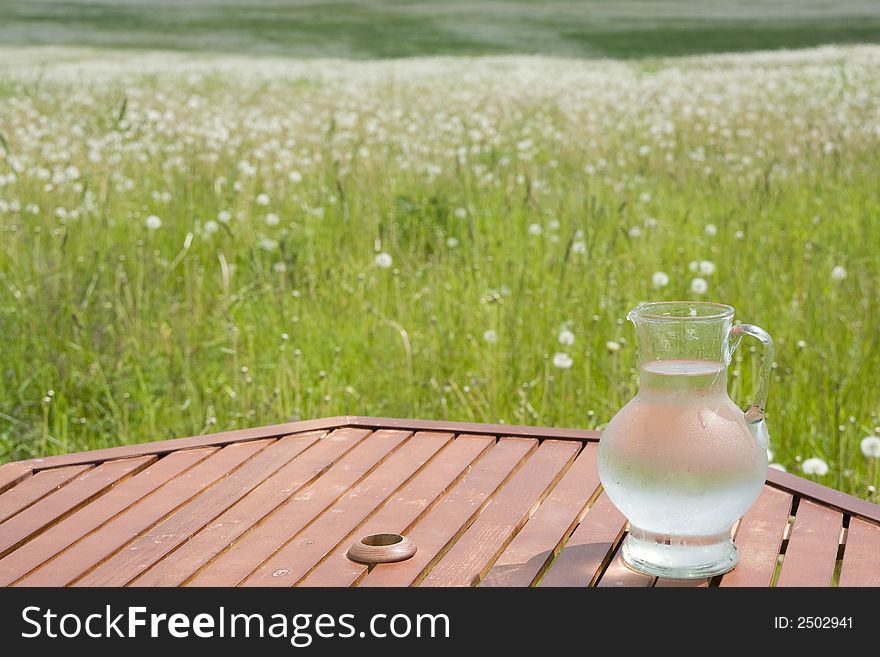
pixel 681 461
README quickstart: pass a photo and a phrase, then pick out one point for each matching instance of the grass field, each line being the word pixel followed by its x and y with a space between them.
pixel 189 246
pixel 402 28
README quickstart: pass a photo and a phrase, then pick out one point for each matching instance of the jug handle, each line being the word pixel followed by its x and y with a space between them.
pixel 755 414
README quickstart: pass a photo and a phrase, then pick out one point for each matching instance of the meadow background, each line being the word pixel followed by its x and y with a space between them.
pixel 221 215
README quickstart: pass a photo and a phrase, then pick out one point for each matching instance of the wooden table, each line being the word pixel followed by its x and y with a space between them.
pixel 488 505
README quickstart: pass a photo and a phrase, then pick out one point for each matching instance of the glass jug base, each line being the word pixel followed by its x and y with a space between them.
pixel 679 557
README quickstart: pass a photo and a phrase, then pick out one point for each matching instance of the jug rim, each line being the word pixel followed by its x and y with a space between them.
pixel 698 311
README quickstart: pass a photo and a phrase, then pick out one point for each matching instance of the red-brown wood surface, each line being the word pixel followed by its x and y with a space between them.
pixel 80 523
pixel 861 557
pixel 282 504
pixel 439 528
pixel 292 562
pixel 812 547
pixel 403 510
pixel 253 548
pixel 58 504
pixel 20 497
pixel 162 538
pixel 590 547
pixel 180 565
pixel 539 540
pixel 759 539
pixel 12 474
pixel 474 553
pixel 84 555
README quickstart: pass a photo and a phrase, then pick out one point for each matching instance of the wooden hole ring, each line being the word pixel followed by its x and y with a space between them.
pixel 381 548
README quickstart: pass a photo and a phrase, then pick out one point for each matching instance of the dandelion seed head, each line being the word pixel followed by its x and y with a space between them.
pixel 814 466
pixel 699 286
pixel 870 446
pixel 707 267
pixel 562 360
pixel 659 279
pixel 566 337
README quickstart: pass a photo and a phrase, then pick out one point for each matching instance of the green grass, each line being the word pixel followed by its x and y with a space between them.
pixel 115 333
pixel 395 28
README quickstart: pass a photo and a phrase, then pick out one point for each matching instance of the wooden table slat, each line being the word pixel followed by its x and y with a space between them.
pixel 861 556
pixel 296 559
pixel 183 563
pixel 35 488
pixel 85 520
pixel 759 539
pixel 12 474
pixel 164 537
pixel 99 545
pixel 812 546
pixel 476 550
pixel 55 506
pixel 454 513
pixel 244 555
pixel 404 509
pixel 540 539
pixel 580 561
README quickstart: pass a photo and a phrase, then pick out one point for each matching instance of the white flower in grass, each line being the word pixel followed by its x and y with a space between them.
pixel 814 466
pixel 268 244
pixel 707 267
pixel 460 213
pixel 871 446
pixel 273 219
pixel 778 466
pixel 490 336
pixel 295 177
pixel 699 286
pixel 838 273
pixel 211 227
pixel 153 222
pixel 263 199
pixel 562 360
pixel 224 216
pixel 451 242
pixel 279 267
pixel 694 266
pixel 579 247
pixel 711 230
pixel 384 260
pixel 566 337
pixel 535 229
pixel 612 346
pixel 659 279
